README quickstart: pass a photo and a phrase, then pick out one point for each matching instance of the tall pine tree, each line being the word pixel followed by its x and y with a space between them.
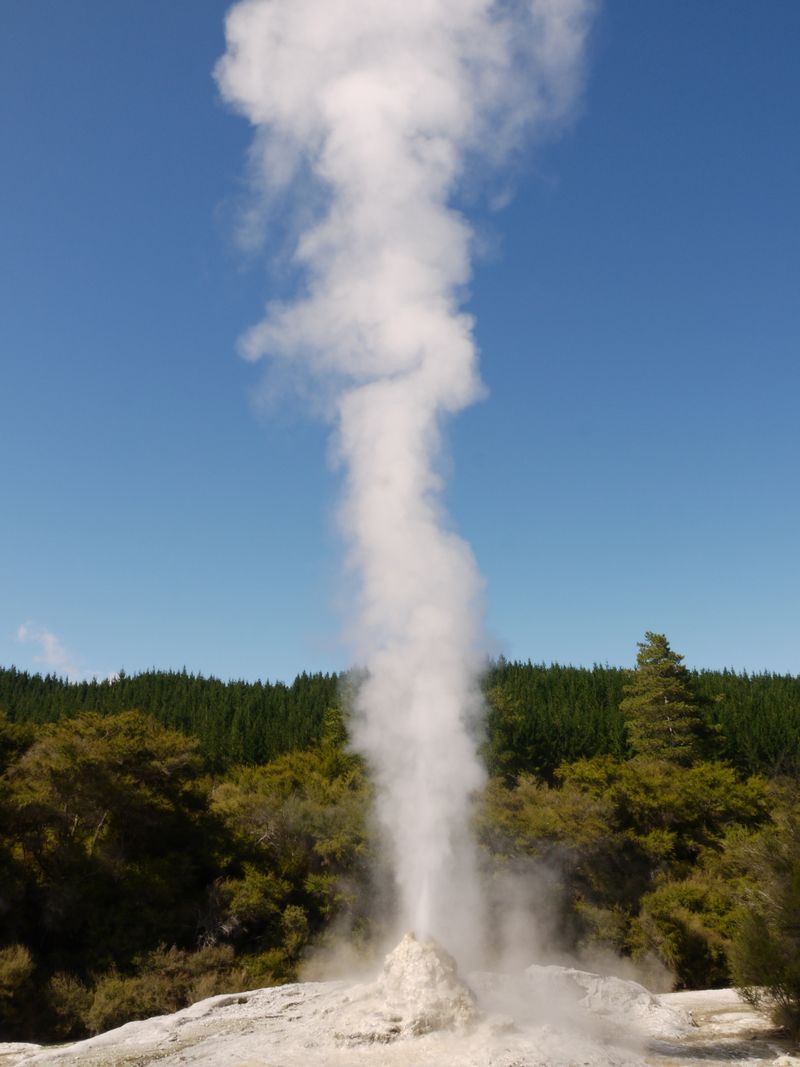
pixel 661 714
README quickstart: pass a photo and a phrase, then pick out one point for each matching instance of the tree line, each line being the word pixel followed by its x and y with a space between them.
pixel 538 716
pixel 234 722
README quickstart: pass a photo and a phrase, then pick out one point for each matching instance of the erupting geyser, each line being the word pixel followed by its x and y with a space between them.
pixel 381 105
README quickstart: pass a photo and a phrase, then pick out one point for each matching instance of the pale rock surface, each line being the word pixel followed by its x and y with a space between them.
pixel 621 1002
pixel 420 1013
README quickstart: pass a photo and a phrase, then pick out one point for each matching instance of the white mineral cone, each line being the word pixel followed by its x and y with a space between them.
pixel 421 987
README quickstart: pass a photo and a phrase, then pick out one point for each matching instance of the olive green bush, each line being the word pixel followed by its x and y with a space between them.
pixel 765 954
pixel 16 989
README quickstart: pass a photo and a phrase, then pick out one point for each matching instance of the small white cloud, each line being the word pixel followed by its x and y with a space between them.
pixel 52 653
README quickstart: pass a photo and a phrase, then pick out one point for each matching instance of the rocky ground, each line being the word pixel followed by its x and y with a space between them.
pixel 419 1013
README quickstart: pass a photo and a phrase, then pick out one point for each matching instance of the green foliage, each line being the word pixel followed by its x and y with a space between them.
pixel 69 1001
pixel 294 925
pixel 115 840
pixel 542 716
pixel 301 821
pixel 234 722
pixel 110 818
pixel 538 716
pixel 165 980
pixel 765 954
pixel 688 924
pixel 661 714
pixel 627 837
pixel 16 989
pixel 15 738
pixel 755 719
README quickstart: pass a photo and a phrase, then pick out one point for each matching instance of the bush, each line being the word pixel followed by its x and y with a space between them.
pixel 166 981
pixel 16 989
pixel 686 924
pixel 110 818
pixel 765 954
pixel 70 1001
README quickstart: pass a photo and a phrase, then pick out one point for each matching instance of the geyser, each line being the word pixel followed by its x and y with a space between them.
pixel 421 987
pixel 382 105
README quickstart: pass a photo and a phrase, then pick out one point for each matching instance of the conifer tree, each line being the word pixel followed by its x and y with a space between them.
pixel 661 714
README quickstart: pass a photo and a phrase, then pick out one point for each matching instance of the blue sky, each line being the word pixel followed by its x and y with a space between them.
pixel 634 465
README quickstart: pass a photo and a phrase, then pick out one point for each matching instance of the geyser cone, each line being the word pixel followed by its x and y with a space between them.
pixel 421 986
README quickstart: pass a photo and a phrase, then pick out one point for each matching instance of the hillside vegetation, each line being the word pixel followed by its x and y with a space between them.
pixel 164 837
pixel 539 716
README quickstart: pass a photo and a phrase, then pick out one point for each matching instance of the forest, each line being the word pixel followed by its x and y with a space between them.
pixel 165 836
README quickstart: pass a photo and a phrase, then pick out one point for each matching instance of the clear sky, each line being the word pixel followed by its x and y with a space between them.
pixel 633 467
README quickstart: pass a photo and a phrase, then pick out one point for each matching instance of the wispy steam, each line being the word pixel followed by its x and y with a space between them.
pixel 52 654
pixel 383 103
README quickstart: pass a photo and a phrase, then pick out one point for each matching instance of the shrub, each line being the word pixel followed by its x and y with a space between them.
pixel 687 924
pixel 166 981
pixel 70 1001
pixel 765 954
pixel 16 989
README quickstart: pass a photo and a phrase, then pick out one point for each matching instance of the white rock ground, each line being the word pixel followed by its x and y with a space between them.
pixel 419 1013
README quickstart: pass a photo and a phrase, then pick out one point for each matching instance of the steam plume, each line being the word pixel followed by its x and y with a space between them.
pixel 52 653
pixel 382 104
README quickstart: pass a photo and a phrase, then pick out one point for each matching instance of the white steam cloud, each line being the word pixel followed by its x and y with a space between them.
pixel 383 104
pixel 52 653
